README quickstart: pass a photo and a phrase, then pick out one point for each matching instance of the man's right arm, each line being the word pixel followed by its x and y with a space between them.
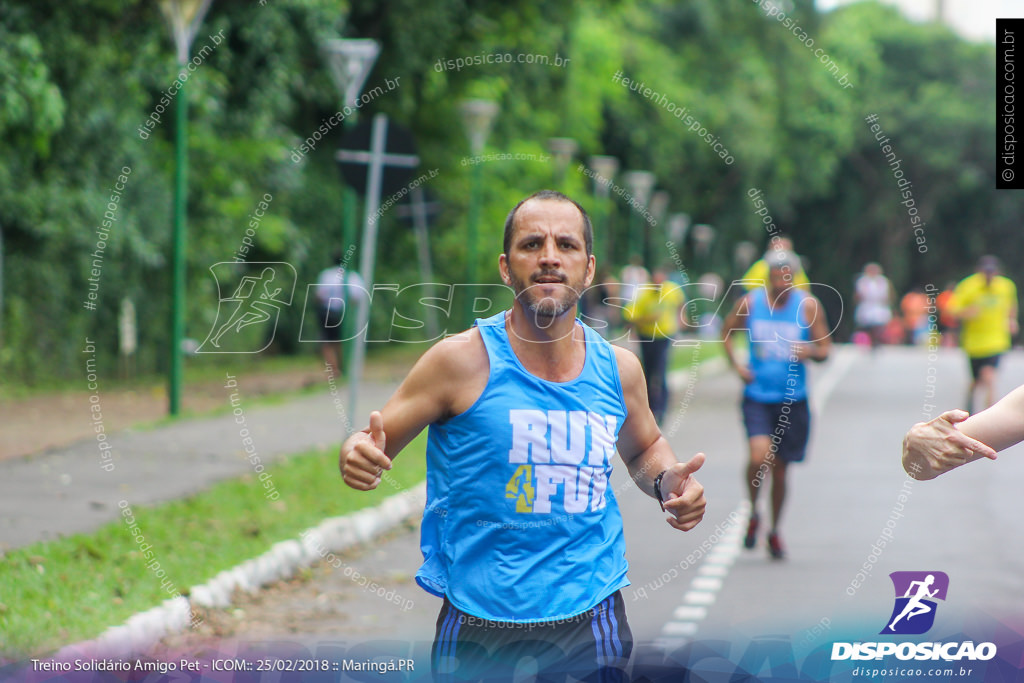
pixel 736 321
pixel 427 395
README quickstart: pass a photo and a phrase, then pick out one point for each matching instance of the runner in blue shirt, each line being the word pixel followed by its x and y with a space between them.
pixel 785 327
pixel 522 537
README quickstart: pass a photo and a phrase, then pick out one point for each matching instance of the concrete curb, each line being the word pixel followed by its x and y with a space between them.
pixel 143 630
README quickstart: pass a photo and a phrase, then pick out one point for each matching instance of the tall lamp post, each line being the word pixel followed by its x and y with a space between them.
pixel 640 185
pixel 477 117
pixel 604 168
pixel 350 61
pixel 659 207
pixel 183 18
pixel 562 150
pixel 703 236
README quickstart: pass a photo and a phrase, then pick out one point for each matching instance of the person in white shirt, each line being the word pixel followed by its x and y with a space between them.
pixel 337 286
pixel 873 293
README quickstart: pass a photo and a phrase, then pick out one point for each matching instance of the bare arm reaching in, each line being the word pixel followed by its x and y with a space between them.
pixel 954 439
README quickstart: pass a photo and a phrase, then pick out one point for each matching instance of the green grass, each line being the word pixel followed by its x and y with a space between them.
pixel 199 368
pixel 683 357
pixel 71 589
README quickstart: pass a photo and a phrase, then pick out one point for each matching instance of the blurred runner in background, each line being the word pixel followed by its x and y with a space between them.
pixel 986 305
pixel 655 314
pixel 786 326
pixel 873 294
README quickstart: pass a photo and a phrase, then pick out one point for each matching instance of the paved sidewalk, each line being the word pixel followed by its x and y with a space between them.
pixel 74 490
pixel 67 490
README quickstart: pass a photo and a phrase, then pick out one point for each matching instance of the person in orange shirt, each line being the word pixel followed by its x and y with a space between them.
pixel 948 323
pixel 914 305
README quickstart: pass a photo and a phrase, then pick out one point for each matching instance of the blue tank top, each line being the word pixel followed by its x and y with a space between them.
pixel 772 334
pixel 520 522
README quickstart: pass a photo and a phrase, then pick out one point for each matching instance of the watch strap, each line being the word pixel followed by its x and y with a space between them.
pixel 657 489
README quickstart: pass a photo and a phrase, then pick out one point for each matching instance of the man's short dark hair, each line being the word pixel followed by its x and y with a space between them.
pixel 588 229
pixel 780 260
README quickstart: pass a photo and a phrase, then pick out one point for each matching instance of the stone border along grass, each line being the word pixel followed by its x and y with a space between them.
pixel 282 561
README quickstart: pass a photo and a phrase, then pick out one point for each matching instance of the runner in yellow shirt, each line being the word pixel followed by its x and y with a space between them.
pixel 986 305
pixel 655 315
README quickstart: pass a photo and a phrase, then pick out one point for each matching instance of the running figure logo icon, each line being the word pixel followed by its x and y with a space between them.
pixel 255 300
pixel 916 593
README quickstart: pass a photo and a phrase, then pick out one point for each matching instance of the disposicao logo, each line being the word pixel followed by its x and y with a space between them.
pixel 916 593
pixel 913 614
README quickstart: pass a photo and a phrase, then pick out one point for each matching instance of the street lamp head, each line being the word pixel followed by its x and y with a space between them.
pixel 703 236
pixel 477 117
pixel 562 149
pixel 350 61
pixel 678 224
pixel 744 254
pixel 604 166
pixel 183 17
pixel 640 184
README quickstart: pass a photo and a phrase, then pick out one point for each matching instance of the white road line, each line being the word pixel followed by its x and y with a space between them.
pixel 712 572
pixel 699 598
pixel 705 583
pixel 708 569
pixel 704 587
pixel 844 356
pixel 677 630
pixel 687 613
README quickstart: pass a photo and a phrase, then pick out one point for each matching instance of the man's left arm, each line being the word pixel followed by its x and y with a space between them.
pixel 647 453
pixel 821 343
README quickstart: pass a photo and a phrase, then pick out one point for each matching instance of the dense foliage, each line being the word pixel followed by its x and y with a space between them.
pixel 78 80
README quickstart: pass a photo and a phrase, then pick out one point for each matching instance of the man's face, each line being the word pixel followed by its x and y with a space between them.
pixel 547 265
pixel 780 280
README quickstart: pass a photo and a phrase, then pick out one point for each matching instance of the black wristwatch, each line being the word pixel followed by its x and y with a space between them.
pixel 657 490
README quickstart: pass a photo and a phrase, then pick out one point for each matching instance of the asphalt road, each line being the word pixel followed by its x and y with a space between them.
pixel 851 509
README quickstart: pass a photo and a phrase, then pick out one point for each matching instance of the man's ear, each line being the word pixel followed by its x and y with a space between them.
pixel 503 270
pixel 591 271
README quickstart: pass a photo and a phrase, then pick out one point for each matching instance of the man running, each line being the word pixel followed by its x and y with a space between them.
pixel 522 537
pixel 785 326
pixel 986 304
